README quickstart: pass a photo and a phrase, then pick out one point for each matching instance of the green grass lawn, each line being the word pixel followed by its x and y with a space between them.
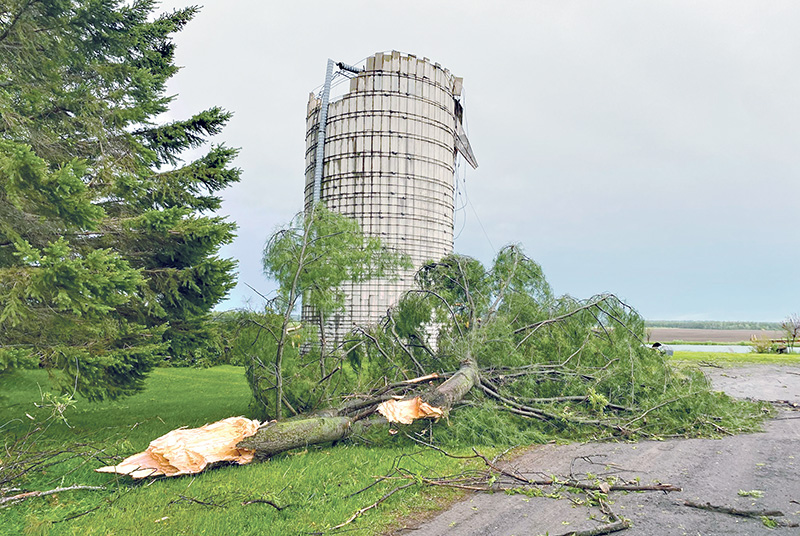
pixel 314 487
pixel 736 359
pixel 707 343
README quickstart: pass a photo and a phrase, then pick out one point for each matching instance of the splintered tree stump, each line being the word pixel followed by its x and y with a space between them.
pixel 239 440
pixel 187 451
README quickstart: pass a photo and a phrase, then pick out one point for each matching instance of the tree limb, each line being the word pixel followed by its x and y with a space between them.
pixel 603 529
pixel 733 511
pixel 373 505
pixel 23 496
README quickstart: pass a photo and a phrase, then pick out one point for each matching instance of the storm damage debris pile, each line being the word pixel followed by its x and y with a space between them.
pixel 190 450
pixel 513 358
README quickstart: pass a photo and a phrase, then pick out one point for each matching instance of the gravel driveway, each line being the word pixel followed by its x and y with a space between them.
pixel 708 470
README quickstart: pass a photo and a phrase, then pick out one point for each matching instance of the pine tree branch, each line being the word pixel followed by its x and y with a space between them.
pixel 15 19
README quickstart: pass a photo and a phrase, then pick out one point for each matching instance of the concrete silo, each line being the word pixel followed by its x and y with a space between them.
pixel 390 145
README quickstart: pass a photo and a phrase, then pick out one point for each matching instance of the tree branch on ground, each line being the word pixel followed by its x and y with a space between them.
pixel 4 501
pixel 766 516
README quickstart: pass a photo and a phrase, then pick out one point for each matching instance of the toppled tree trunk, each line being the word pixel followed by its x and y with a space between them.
pixel 190 451
pixel 277 437
pixel 454 389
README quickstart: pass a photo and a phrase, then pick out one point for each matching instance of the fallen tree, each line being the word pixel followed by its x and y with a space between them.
pixel 237 439
pixel 511 354
pixel 514 361
pixel 276 437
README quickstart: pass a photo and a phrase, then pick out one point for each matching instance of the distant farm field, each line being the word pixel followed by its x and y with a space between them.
pixel 710 335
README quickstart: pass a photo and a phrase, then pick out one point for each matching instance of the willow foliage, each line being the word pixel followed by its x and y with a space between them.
pixel 550 366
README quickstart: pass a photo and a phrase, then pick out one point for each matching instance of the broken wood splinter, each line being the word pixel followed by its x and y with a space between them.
pixel 407 411
pixel 190 450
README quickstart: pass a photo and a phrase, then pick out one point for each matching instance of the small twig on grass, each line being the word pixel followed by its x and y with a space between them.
pixel 265 501
pixel 437 449
pixel 197 501
pixel 377 481
pixel 29 494
pixel 81 514
pixel 373 505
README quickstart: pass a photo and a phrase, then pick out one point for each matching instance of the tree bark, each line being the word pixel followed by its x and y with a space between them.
pixel 277 437
pixel 456 387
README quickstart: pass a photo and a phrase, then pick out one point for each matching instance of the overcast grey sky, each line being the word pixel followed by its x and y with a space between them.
pixel 649 149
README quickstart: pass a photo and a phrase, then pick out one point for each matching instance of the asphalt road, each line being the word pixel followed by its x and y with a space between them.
pixel 708 470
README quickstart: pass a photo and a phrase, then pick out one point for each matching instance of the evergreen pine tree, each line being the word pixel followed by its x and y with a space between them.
pixel 108 242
